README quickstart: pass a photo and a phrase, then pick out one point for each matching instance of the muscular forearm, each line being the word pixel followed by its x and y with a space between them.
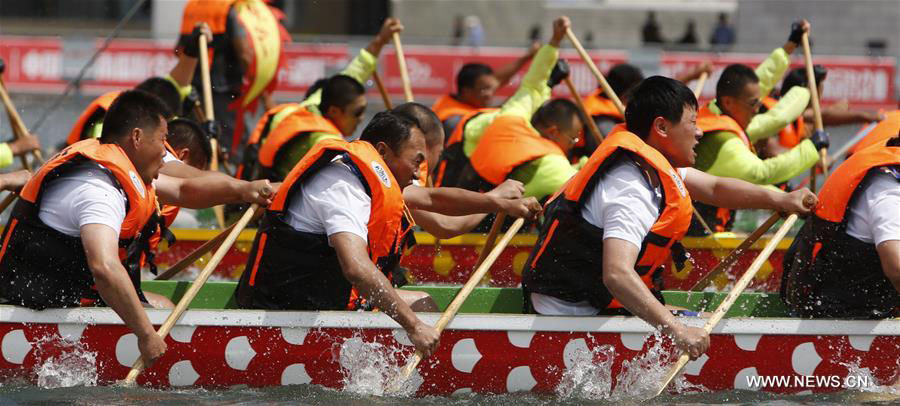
pixel 183 72
pixel 631 292
pixel 445 227
pixel 375 287
pixel 889 254
pixel 451 201
pixel 836 116
pixel 118 293
pixel 207 191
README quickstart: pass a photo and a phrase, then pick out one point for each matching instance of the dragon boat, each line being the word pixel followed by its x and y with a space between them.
pixel 451 261
pixel 488 348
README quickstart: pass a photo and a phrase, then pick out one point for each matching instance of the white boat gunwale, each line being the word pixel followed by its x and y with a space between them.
pixel 471 322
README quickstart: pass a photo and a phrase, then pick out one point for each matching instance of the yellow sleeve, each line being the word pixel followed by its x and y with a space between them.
pixel 534 90
pixel 360 68
pixel 544 176
pixel 734 160
pixel 183 91
pixel 772 70
pixel 6 155
pixel 474 130
pixel 789 107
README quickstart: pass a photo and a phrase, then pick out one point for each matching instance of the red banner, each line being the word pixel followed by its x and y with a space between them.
pixel 864 82
pixel 36 64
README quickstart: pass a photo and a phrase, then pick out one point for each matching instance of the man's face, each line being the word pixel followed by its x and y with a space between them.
pixel 405 161
pixel 566 136
pixel 346 119
pixel 480 94
pixel 743 107
pixel 149 150
pixel 681 138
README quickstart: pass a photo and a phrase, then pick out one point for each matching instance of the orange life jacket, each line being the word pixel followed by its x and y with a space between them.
pixel 883 131
pixel 453 159
pixel 829 273
pixel 598 106
pixel 708 122
pixel 97 109
pixel 793 133
pixel 65 274
pixel 566 261
pixel 447 106
pixel 213 12
pixel 281 254
pixel 508 142
pixel 296 124
pixel 258 137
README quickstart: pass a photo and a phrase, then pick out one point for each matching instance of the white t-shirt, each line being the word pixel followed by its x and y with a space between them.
pixel 169 157
pixel 875 215
pixel 625 206
pixel 333 200
pixel 82 196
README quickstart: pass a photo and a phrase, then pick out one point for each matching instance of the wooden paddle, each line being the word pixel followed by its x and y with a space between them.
pixel 491 238
pixel 384 94
pixel 739 287
pixel 15 121
pixel 817 111
pixel 467 289
pixel 701 81
pixel 728 261
pixel 8 200
pixel 210 115
pixel 590 63
pixel 401 63
pixel 195 288
pixel 592 126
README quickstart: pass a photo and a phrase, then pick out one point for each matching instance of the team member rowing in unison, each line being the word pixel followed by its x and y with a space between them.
pixel 614 225
pixel 845 262
pixel 94 206
pixel 726 148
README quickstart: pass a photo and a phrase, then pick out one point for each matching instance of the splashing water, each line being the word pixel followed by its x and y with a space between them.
pixel 589 374
pixel 371 368
pixel 71 365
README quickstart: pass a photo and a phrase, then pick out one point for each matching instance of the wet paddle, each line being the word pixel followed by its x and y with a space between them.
pixel 726 304
pixel 15 121
pixel 401 63
pixel 592 126
pixel 817 111
pixel 728 261
pixel 210 115
pixel 384 94
pixel 491 238
pixel 593 67
pixel 701 81
pixel 195 288
pixel 460 298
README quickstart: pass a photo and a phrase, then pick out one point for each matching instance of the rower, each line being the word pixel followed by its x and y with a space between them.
pixel 335 222
pixel 845 262
pixel 630 200
pixel 92 208
pixel 287 132
pixel 835 114
pixel 727 150
pixel 524 140
pixel 884 130
pixel 173 90
pixel 476 84
pixel 447 212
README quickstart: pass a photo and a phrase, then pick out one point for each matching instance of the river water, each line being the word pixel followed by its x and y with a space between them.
pixel 315 395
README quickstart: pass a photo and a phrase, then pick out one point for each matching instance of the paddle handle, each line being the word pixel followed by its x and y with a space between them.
pixel 728 261
pixel 732 296
pixel 592 126
pixel 491 238
pixel 463 294
pixel 195 287
pixel 187 261
pixel 384 94
pixel 18 126
pixel 607 89
pixel 703 223
pixel 401 63
pixel 210 115
pixel 817 110
pixel 701 81
pixel 8 200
